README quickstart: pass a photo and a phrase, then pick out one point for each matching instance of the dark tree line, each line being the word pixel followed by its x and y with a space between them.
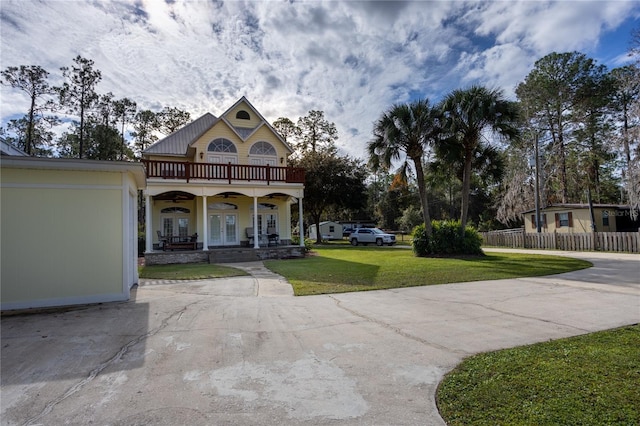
pixel 583 118
pixel 97 126
pixel 470 156
pixel 334 184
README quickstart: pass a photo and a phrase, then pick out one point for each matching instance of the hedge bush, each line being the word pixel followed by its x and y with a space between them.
pixel 446 239
pixel 295 240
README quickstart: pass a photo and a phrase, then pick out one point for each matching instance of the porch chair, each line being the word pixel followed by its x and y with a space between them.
pixel 250 235
pixel 272 236
pixel 162 241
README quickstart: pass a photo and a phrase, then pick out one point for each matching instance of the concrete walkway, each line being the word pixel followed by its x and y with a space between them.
pixel 245 351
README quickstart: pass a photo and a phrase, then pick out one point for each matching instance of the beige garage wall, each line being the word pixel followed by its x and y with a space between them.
pixel 61 237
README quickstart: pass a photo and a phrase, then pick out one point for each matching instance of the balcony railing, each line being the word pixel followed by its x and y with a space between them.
pixel 185 170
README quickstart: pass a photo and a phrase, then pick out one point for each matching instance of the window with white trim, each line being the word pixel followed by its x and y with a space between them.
pixel 263 153
pixel 222 145
pixel 267 217
pixel 175 221
pixel 222 151
pixel 243 115
pixel 563 219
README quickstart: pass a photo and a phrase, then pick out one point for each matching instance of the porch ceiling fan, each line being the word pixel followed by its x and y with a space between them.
pixel 175 196
pixel 229 195
pixel 276 195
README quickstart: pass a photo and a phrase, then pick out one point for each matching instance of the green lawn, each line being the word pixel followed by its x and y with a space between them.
pixel 339 269
pixel 190 271
pixel 587 380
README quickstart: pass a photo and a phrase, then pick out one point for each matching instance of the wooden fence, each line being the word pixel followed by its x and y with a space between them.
pixel 594 241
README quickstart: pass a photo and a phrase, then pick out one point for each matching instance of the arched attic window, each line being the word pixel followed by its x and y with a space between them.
pixel 243 115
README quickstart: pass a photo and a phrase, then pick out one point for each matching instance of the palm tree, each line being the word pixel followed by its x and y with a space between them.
pixel 470 116
pixel 403 133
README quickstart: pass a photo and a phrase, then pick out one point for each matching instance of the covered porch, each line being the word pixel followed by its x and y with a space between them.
pixel 184 218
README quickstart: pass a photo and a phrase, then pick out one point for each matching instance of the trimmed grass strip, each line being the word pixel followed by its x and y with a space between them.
pixel 190 271
pixel 592 379
pixel 344 269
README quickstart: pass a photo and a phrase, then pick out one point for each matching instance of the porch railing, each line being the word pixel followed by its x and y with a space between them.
pixel 185 170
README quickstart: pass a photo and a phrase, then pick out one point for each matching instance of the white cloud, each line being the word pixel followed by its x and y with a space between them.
pixel 350 59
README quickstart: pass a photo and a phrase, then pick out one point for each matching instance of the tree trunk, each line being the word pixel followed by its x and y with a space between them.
pixel 30 125
pixel 318 235
pixel 423 195
pixel 563 162
pixel 466 189
pixel 81 147
pixel 316 222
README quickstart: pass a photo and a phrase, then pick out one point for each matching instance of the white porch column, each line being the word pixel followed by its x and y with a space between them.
pixel 205 232
pixel 300 222
pixel 147 224
pixel 256 231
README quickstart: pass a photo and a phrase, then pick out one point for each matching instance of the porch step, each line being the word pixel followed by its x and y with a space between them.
pixel 250 254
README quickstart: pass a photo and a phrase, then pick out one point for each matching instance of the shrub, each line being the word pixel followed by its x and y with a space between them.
pixel 295 240
pixel 446 239
pixel 472 242
pixel 420 242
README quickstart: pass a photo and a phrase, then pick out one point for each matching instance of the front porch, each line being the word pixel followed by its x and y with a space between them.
pixel 224 255
pixel 206 209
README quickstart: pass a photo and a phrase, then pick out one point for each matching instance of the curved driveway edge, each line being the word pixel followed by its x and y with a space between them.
pixel 245 351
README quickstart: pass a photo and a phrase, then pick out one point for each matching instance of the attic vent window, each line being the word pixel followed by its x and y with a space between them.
pixel 243 115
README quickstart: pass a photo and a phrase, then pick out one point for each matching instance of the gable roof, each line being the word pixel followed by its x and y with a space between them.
pixel 7 149
pixel 245 133
pixel 179 141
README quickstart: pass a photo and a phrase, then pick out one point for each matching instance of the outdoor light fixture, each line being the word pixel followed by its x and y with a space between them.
pixel 201 155
pixel 281 160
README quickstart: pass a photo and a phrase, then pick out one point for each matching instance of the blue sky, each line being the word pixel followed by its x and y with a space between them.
pixel 350 59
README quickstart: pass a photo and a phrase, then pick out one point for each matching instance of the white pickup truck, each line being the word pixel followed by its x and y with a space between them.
pixel 371 235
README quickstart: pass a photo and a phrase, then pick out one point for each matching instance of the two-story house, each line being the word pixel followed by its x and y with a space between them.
pixel 221 182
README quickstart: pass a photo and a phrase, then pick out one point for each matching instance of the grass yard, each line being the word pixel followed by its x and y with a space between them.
pixel 586 380
pixel 339 269
pixel 189 271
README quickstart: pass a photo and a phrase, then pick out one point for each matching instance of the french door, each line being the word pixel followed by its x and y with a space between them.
pixel 223 229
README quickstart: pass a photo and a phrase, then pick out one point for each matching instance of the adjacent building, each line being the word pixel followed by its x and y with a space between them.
pixel 328 230
pixel 577 218
pixel 69 231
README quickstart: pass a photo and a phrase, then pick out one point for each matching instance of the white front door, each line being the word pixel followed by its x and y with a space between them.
pixel 223 229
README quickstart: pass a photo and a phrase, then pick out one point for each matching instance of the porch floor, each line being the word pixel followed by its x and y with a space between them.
pixel 223 255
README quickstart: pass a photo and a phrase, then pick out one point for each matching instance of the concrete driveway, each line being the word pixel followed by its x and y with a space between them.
pixel 245 351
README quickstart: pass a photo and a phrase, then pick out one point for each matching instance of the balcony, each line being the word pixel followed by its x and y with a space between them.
pixel 184 170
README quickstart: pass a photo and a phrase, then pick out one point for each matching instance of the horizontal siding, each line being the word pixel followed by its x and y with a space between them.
pixel 222 130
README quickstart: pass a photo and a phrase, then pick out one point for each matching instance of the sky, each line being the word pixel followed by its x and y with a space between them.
pixel 351 59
